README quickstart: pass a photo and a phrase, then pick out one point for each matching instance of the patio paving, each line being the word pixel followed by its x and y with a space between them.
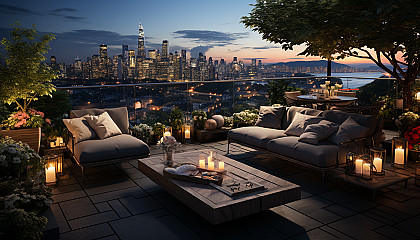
pixel 119 202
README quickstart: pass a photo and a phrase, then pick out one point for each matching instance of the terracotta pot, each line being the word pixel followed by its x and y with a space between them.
pixel 30 136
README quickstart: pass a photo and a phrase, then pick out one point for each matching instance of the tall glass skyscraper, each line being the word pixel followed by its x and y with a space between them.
pixel 141 53
pixel 165 49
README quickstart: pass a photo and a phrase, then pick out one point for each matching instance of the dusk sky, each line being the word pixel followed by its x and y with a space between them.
pixel 211 27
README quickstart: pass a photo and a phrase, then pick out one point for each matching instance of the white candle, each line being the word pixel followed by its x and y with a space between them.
pixel 202 163
pixel 399 156
pixel 359 163
pixel 60 166
pixel 52 144
pixel 221 166
pixel 167 134
pixel 377 162
pixel 187 134
pixel 211 165
pixel 50 174
pixel 60 140
pixel 366 170
pixel 327 82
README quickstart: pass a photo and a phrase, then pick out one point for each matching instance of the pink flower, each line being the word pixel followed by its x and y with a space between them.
pixel 47 120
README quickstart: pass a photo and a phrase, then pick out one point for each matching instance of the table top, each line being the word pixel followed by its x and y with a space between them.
pixel 377 182
pixel 211 203
pixel 335 99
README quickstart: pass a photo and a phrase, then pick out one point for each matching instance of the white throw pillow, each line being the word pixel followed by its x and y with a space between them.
pixel 103 125
pixel 80 129
pixel 300 122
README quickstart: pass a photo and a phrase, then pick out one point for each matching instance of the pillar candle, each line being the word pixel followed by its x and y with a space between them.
pixel 377 162
pixel 50 174
pixel 52 144
pixel 399 156
pixel 211 165
pixel 359 163
pixel 202 163
pixel 221 166
pixel 166 134
pixel 187 134
pixel 366 170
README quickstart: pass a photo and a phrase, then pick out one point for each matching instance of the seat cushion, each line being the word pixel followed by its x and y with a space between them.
pixel 115 147
pixel 255 136
pixel 290 114
pixel 270 117
pixel 118 115
pixel 322 155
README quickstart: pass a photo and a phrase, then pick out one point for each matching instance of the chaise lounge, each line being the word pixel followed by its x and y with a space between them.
pixel 312 138
pixel 102 136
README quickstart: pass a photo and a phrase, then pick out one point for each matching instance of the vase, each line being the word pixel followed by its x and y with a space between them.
pixel 30 136
pixel 168 156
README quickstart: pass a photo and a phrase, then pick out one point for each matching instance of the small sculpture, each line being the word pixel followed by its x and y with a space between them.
pixel 219 120
pixel 210 124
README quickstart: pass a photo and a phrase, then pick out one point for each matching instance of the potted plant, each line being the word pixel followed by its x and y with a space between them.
pixel 176 120
pixel 245 118
pixel 158 129
pixel 143 132
pixel 24 78
pixel 199 118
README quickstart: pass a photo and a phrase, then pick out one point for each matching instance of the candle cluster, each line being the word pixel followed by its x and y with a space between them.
pixel 210 162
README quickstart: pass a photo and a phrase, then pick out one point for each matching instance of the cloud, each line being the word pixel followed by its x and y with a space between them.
pixel 9 9
pixel 60 12
pixel 258 58
pixel 261 47
pixel 65 10
pixel 210 37
pixel 199 49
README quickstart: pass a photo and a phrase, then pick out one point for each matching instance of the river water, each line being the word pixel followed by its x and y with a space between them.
pixel 351 82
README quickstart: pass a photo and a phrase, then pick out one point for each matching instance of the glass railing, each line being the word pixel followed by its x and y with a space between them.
pixel 153 102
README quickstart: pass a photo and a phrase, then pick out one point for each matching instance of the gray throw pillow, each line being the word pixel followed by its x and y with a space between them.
pixel 80 129
pixel 103 125
pixel 316 133
pixel 300 122
pixel 270 117
pixel 348 130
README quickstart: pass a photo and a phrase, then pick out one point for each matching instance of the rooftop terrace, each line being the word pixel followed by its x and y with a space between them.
pixel 119 202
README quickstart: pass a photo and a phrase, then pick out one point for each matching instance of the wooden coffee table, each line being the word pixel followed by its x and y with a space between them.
pixel 213 205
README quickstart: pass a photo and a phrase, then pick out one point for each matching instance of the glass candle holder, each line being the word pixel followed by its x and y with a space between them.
pixel 399 152
pixel 51 168
pixel 350 163
pixel 366 166
pixel 167 131
pixel 378 156
pixel 186 130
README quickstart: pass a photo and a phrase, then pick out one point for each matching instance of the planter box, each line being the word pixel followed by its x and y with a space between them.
pixel 413 155
pixel 30 136
pixel 51 232
pixel 204 135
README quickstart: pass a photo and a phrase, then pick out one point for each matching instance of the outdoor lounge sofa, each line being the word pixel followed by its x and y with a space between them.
pixel 89 147
pixel 285 132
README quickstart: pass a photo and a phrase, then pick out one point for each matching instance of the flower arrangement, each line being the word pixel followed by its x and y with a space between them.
pixel 30 119
pixel 228 121
pixel 407 120
pixel 245 118
pixel 330 88
pixel 168 142
pixel 413 136
pixel 143 131
pixel 17 159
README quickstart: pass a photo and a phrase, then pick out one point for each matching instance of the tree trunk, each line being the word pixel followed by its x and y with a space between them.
pixel 406 85
pixel 329 68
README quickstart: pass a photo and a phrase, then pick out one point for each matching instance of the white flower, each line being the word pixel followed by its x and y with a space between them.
pixel 16 160
pixel 12 150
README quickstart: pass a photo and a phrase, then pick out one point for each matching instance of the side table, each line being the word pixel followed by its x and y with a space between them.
pixel 376 183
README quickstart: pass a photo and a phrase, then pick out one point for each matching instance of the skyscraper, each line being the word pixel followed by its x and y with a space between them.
pixel 103 62
pixel 141 53
pixel 165 49
pixel 124 50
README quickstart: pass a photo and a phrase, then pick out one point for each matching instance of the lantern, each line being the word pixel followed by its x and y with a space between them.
pixel 366 167
pixel 399 152
pixel 186 132
pixel 378 155
pixel 51 168
pixel 350 158
pixel 168 131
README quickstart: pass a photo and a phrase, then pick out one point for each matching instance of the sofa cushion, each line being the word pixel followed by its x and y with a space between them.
pixel 322 155
pixel 290 114
pixel 118 115
pixel 348 130
pixel 116 147
pixel 300 122
pixel 255 136
pixel 80 129
pixel 103 125
pixel 270 117
pixel 339 117
pixel 316 133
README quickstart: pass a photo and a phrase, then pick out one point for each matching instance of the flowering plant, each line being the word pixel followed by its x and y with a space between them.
pixel 407 120
pixel 30 119
pixel 168 142
pixel 245 118
pixel 158 129
pixel 413 136
pixel 143 131
pixel 199 116
pixel 17 159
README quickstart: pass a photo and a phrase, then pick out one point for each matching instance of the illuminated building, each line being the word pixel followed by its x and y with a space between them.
pixel 165 49
pixel 141 53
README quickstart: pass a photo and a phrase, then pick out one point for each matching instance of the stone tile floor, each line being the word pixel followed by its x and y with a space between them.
pixel 119 202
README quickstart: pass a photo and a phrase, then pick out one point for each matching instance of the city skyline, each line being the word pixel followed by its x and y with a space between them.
pixel 212 28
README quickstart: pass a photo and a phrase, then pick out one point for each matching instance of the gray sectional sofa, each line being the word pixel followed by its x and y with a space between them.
pixel 321 144
pixel 117 148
